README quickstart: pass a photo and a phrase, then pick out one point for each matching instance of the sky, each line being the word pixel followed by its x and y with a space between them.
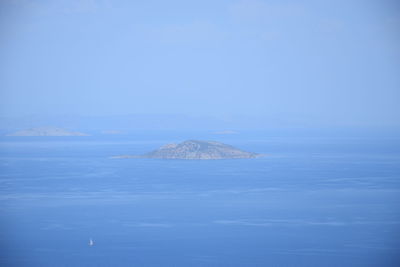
pixel 331 63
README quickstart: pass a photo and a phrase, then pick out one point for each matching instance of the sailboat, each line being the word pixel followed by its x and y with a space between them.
pixel 91 243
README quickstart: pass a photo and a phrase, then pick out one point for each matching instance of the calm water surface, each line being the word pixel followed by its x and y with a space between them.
pixel 309 202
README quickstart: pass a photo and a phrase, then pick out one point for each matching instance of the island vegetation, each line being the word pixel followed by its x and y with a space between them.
pixel 196 149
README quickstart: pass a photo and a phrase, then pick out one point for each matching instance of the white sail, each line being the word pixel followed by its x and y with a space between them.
pixel 91 243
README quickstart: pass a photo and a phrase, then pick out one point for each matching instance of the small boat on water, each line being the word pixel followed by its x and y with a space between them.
pixel 91 243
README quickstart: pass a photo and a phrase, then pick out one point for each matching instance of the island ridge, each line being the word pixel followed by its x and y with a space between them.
pixel 196 149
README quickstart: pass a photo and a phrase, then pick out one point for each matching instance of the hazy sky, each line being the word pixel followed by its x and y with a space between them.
pixel 315 61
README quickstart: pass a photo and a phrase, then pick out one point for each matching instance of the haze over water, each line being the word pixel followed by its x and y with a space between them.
pixel 264 64
pixel 310 202
pixel 313 85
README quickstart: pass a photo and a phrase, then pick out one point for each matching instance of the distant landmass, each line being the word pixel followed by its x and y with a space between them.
pixel 46 131
pixel 226 132
pixel 196 149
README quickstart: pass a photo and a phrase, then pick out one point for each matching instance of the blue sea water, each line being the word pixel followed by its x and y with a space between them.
pixel 308 202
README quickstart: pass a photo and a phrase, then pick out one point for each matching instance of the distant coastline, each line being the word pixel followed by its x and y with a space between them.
pixel 46 131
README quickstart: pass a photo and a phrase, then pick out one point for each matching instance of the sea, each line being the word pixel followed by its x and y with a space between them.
pixel 310 201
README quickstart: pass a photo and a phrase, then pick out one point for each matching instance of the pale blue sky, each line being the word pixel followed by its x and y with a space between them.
pixel 317 62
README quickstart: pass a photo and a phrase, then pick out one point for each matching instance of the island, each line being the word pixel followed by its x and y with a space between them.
pixel 196 149
pixel 46 131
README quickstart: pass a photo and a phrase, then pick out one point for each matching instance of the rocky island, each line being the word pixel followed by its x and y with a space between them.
pixel 46 131
pixel 196 149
